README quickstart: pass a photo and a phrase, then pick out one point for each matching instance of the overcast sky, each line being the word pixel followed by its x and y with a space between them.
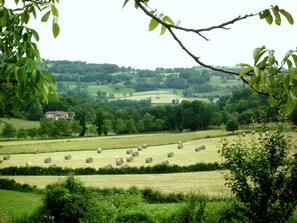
pixel 102 32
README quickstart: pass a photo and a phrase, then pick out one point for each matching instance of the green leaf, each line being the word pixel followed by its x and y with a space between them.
pixel 291 102
pixel 125 2
pixel 264 14
pixel 257 71
pixel 293 75
pixel 289 63
pixel 56 29
pixel 286 82
pixel 275 10
pixel 153 24
pixel 245 71
pixel 269 19
pixel 253 80
pixel 258 53
pixel 25 17
pixel 287 15
pixel 16 2
pixel 35 34
pixel 55 11
pixel 163 30
pixel 242 65
pixel 295 59
pixel 263 63
pixel 45 17
pixel 168 19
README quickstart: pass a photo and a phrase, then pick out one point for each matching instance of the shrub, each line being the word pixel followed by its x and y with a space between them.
pixel 67 201
pixel 192 212
pixel 10 184
pixel 133 217
pixel 262 176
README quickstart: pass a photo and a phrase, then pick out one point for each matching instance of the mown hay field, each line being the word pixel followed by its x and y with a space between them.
pixel 106 142
pixel 211 183
pixel 158 147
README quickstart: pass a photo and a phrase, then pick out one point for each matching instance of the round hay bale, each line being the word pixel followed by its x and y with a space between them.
pixel 109 166
pixel 6 157
pixel 119 161
pixel 89 160
pixel 67 157
pixel 129 159
pixel 180 146
pixel 29 164
pixel 99 150
pixel 243 134
pixel 48 160
pixel 53 165
pixel 203 147
pixel 125 166
pixel 35 151
pixel 139 148
pixel 197 149
pixel 165 162
pixel 129 151
pixel 135 154
pixel 149 160
pixel 144 146
pixel 171 154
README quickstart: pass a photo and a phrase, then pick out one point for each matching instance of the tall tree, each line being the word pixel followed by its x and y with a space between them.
pixel 9 131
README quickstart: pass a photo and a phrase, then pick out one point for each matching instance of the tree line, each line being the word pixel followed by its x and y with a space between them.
pixel 96 117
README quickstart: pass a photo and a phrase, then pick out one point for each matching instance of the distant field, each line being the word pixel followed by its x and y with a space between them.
pixel 217 81
pixel 19 123
pixel 157 96
pixel 162 96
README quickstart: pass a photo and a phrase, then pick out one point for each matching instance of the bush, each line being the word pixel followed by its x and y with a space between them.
pixel 134 217
pixel 262 176
pixel 67 201
pixel 192 212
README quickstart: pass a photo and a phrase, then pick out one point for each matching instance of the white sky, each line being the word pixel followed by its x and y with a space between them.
pixel 99 31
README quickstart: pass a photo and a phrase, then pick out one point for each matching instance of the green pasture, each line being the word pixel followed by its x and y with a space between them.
pixel 218 81
pixel 157 96
pixel 93 88
pixel 18 123
pixel 17 204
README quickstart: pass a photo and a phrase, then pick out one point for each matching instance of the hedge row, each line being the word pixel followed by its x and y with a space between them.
pixel 10 184
pixel 59 171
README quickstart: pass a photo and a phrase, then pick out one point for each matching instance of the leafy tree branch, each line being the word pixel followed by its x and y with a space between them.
pixel 265 76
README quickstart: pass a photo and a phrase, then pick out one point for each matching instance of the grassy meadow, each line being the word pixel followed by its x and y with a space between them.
pixel 16 204
pixel 19 123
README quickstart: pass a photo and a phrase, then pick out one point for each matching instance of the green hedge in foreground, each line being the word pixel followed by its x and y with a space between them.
pixel 59 171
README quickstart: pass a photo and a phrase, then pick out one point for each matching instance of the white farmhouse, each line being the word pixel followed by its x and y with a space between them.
pixel 55 115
